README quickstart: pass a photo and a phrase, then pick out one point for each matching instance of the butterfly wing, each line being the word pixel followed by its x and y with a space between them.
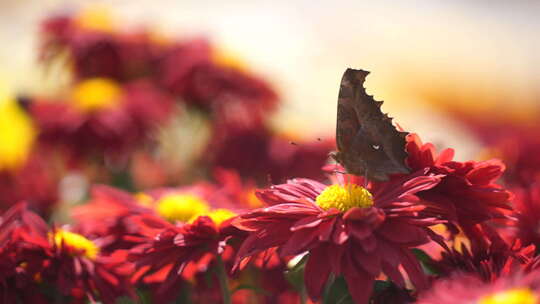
pixel 367 141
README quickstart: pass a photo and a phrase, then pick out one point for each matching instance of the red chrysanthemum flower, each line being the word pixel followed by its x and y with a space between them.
pixel 70 264
pixel 102 117
pixel 467 194
pixel 193 71
pixel 488 259
pixel 109 212
pixel 173 253
pixel 35 182
pixel 517 288
pixel 509 136
pixel 97 52
pixel 347 229
pixel 526 205
pixel 77 268
pixel 23 250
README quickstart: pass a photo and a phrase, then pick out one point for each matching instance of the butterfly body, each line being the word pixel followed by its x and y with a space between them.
pixel 367 141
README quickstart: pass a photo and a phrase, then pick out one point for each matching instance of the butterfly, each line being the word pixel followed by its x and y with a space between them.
pixel 368 143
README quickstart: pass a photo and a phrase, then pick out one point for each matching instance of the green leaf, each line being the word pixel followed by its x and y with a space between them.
pixel 337 292
pixel 428 264
pixel 295 275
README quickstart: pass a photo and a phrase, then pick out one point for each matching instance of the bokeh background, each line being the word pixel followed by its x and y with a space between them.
pixel 116 112
pixel 422 54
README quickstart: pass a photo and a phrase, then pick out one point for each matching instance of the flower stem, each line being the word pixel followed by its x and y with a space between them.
pixel 223 280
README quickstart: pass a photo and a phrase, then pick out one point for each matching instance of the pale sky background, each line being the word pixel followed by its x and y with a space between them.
pixel 481 51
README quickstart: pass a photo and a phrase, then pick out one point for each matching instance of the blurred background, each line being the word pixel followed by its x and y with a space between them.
pixel 421 54
pixel 110 109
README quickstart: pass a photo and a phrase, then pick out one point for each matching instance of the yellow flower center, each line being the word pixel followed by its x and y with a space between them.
pixel 228 59
pixel 76 241
pixel 143 199
pixel 17 134
pixel 220 215
pixel 512 296
pixel 181 207
pixel 344 198
pixel 96 94
pixel 96 18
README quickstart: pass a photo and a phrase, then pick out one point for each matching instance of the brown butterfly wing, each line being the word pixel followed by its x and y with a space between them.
pixel 367 141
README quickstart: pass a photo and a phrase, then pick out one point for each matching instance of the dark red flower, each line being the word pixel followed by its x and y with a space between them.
pixel 110 212
pixel 510 136
pixel 67 262
pixel 35 182
pixel 23 250
pixel 177 251
pixel 98 53
pixel 526 205
pixel 488 260
pixel 102 117
pixel 348 230
pixel 190 70
pixel 467 194
pixel 78 269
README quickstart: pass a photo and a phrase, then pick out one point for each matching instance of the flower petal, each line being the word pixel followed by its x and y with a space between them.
pixel 359 282
pixel 317 271
pixel 308 222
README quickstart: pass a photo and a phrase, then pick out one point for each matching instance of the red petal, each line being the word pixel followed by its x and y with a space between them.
pixel 308 222
pixel 326 228
pixel 359 283
pixel 317 272
pixel 359 230
pixel 370 262
pixel 339 236
pixel 413 268
pixel 299 242
pixel 402 233
pixel 485 172
pixel 394 274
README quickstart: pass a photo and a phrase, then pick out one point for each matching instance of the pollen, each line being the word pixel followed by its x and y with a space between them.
pixel 181 207
pixel 17 134
pixel 344 198
pixel 220 215
pixel 96 94
pixel 512 296
pixel 77 242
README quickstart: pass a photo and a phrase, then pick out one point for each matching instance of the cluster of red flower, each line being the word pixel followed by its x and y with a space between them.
pixel 444 233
